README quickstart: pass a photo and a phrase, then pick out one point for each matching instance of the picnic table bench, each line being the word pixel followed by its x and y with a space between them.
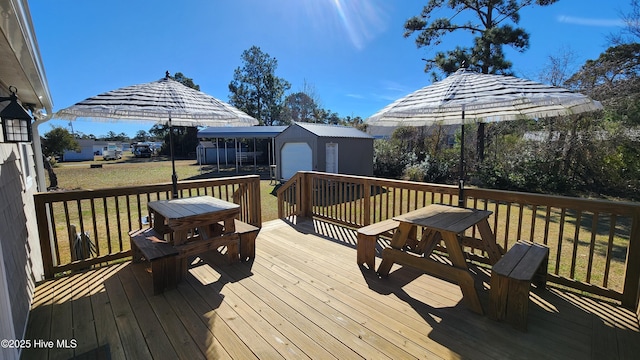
pixel 511 278
pixel 367 238
pixel 248 234
pixel 149 245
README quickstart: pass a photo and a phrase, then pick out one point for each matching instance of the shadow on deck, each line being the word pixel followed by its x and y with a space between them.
pixel 305 297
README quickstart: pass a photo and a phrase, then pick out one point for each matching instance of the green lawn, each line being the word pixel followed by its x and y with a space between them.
pixel 130 171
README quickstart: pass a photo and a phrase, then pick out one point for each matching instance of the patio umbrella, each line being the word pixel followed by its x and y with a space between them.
pixel 467 96
pixel 166 102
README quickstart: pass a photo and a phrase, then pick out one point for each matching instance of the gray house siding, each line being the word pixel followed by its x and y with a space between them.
pixel 20 257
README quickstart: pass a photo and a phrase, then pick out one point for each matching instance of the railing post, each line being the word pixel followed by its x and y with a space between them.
pixel 298 194
pixel 630 293
pixel 42 219
pixel 367 202
pixel 305 191
pixel 280 197
pixel 256 210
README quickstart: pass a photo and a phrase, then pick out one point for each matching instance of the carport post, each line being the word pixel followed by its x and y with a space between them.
pixel 226 155
pixel 218 153
pixel 235 150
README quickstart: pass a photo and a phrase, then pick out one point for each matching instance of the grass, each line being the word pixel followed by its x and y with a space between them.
pixel 130 171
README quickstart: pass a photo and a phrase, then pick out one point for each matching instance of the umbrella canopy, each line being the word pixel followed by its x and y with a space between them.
pixel 484 98
pixel 158 101
pixel 467 96
pixel 165 101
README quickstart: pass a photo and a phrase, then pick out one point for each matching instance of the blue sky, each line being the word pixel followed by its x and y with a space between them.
pixel 351 52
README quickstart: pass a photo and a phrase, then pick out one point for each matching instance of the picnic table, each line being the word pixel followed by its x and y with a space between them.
pixel 446 223
pixel 196 225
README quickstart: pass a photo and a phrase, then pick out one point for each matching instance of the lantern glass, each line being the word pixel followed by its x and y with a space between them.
pixel 16 130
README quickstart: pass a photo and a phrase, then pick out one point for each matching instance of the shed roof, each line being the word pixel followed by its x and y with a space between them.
pixel 237 132
pixel 325 130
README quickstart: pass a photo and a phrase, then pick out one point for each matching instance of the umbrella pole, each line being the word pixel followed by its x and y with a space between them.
pixel 461 201
pixel 174 177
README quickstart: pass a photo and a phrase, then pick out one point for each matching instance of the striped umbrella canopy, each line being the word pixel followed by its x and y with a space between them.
pixel 467 96
pixel 158 101
pixel 166 102
pixel 483 98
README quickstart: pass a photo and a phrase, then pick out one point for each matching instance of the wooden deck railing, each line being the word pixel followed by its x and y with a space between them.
pixel 590 241
pixel 107 215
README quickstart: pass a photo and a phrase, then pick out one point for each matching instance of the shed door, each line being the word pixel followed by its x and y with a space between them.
pixel 331 158
pixel 295 157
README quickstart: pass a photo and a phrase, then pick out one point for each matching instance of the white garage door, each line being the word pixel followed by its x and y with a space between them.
pixel 295 157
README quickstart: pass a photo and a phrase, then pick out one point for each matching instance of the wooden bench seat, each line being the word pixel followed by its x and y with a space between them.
pixel 511 278
pixel 367 238
pixel 248 234
pixel 147 244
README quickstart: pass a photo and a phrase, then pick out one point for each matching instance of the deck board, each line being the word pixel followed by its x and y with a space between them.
pixel 129 327
pixel 226 342
pixel 84 332
pixel 305 297
pixel 279 312
pixel 344 300
pixel 255 312
pixel 105 322
pixel 62 315
pixel 157 338
pixel 39 325
pixel 348 281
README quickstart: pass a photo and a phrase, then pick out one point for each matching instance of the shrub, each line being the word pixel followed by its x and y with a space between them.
pixel 430 169
pixel 388 159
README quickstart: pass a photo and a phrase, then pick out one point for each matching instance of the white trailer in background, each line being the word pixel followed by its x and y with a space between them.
pixel 112 152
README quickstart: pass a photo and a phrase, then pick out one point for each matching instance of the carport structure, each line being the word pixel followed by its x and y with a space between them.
pixel 238 133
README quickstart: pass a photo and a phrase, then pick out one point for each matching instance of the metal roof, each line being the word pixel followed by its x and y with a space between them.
pixel 237 132
pixel 325 130
pixel 267 132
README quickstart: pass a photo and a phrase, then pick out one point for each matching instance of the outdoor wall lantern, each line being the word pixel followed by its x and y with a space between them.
pixel 16 121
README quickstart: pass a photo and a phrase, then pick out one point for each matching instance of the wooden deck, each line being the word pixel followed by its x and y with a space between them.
pixel 305 297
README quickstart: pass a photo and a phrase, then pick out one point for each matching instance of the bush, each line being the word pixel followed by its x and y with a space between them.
pixel 414 173
pixel 53 161
pixel 571 156
pixel 428 170
pixel 388 160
